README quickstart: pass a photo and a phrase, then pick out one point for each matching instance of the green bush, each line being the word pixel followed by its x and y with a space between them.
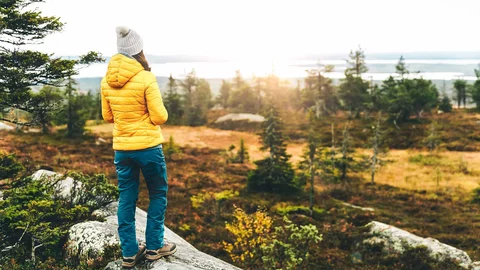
pixel 428 160
pixel 9 166
pixel 304 210
pixel 170 148
pixel 290 246
pixel 271 176
pixel 35 216
pixel 476 195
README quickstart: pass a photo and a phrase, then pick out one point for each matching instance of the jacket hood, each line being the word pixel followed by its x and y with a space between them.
pixel 121 69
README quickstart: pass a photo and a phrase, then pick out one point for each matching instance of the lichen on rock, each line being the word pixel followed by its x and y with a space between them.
pixel 397 241
pixel 87 239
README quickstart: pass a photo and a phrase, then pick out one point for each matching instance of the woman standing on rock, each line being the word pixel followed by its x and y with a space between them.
pixel 132 101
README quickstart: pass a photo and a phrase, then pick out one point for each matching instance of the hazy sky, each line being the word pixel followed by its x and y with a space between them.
pixel 266 28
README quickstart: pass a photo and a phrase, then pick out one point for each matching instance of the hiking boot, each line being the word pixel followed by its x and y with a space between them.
pixel 130 262
pixel 166 250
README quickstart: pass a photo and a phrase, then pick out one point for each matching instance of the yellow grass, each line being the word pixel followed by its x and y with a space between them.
pixel 409 175
pixel 399 173
pixel 210 137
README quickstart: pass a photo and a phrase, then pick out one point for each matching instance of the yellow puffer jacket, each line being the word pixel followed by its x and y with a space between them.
pixel 132 101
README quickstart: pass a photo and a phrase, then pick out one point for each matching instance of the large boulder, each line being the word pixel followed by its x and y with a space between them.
pixel 239 121
pixel 64 186
pixel 397 241
pixel 4 126
pixel 88 240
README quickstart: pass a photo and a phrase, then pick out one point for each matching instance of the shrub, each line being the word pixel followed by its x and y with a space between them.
pixel 304 210
pixel 290 246
pixel 476 195
pixel 35 217
pixel 93 191
pixel 256 245
pixel 9 166
pixel 251 232
pixel 429 160
pixel 171 148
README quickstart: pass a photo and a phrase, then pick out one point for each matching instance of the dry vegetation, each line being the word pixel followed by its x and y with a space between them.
pixel 426 194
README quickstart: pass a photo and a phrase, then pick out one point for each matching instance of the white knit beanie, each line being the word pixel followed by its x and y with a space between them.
pixel 128 41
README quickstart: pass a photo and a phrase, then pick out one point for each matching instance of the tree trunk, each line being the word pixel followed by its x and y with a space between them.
pixel 312 190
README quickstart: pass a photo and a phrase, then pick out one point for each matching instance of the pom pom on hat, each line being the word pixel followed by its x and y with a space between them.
pixel 122 31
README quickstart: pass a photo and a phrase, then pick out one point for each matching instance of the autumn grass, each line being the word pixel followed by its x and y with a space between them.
pixel 448 171
pixel 200 137
pixel 445 213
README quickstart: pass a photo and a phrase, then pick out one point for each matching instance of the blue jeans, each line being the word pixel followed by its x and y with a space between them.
pixel 128 165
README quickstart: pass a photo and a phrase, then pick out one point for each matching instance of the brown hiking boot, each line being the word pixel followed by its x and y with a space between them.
pixel 166 250
pixel 130 262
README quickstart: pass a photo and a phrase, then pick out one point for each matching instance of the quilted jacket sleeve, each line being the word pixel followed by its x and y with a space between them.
pixel 106 110
pixel 156 109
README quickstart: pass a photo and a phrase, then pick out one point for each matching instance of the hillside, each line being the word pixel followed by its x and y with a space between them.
pixel 406 194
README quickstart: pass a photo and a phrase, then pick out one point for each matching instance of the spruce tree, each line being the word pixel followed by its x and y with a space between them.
pixel 461 91
pixel 273 173
pixel 189 85
pixel 173 103
pixel 242 152
pixel 445 104
pixel 346 162
pixel 475 90
pixel 377 149
pixel 75 111
pixel 312 158
pixel 353 90
pixel 45 103
pixel 401 68
pixel 225 91
pixel 21 68
pixel 356 64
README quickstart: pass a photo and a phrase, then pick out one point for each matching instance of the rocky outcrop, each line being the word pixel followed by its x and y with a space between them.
pixel 248 117
pixel 88 240
pixel 4 126
pixel 239 121
pixel 396 241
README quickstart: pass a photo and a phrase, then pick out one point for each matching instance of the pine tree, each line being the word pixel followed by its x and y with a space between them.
pixel 75 111
pixel 202 101
pixel 242 96
pixel 346 162
pixel 461 91
pixel 188 85
pixel 445 104
pixel 242 152
pixel 45 103
pixel 475 90
pixel 401 68
pixel 197 99
pixel 432 141
pixel 311 160
pixel 378 151
pixel 353 92
pixel 21 69
pixel 225 91
pixel 320 92
pixel 173 102
pixel 356 64
pixel 274 173
pixel 171 148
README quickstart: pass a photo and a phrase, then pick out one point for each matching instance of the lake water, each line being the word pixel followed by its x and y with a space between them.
pixel 445 69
